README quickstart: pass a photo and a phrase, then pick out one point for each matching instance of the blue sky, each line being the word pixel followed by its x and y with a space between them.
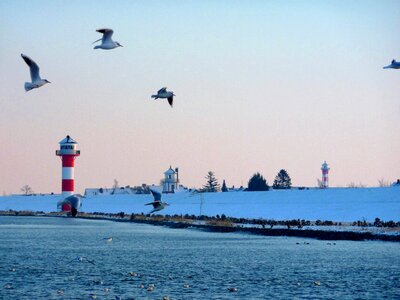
pixel 260 85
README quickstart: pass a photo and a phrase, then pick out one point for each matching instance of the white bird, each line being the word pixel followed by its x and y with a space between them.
pixel 164 94
pixel 157 203
pixel 83 258
pixel 106 41
pixel 108 239
pixel 37 82
pixel 394 65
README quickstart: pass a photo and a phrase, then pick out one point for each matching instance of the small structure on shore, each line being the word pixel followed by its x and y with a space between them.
pixel 171 180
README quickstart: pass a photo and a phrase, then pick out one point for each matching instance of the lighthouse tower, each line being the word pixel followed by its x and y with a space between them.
pixel 325 171
pixel 67 152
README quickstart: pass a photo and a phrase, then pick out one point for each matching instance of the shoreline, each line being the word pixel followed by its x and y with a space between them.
pixel 222 226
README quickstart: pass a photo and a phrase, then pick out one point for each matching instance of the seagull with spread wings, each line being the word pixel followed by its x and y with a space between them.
pixel 106 41
pixel 157 203
pixel 37 82
pixel 164 94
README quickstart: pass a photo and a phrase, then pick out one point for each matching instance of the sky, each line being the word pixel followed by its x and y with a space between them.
pixel 260 86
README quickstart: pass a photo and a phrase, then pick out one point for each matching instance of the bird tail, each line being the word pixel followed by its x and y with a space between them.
pixel 28 86
pixel 154 96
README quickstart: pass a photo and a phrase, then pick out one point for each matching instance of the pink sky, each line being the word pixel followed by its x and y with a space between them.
pixel 259 88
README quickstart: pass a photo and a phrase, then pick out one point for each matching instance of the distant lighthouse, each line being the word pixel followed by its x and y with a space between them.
pixel 325 171
pixel 67 152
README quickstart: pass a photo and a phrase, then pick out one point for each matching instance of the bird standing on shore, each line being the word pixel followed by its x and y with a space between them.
pixel 106 41
pixel 164 94
pixel 37 82
pixel 157 203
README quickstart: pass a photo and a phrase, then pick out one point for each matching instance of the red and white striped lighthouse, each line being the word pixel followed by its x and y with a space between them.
pixel 67 152
pixel 325 171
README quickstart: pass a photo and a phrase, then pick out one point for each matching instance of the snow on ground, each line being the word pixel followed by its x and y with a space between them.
pixel 334 204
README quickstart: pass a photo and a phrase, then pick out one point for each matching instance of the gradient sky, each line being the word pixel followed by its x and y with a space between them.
pixel 260 85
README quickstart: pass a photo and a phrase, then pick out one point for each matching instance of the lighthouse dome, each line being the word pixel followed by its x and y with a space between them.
pixel 68 140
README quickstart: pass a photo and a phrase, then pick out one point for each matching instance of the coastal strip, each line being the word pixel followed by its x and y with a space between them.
pixel 222 226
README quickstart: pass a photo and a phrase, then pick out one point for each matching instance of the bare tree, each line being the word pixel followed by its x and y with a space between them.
pixel 382 182
pixel 27 190
pixel 115 186
pixel 320 184
pixel 355 185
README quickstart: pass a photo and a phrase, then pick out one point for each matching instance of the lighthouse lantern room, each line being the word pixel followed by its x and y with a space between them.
pixel 68 152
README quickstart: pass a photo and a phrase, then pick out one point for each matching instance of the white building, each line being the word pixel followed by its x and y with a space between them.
pixel 171 180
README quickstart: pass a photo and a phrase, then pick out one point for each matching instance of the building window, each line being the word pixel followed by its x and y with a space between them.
pixel 169 176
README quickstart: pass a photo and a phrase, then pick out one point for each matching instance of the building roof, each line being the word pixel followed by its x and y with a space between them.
pixel 68 140
pixel 170 171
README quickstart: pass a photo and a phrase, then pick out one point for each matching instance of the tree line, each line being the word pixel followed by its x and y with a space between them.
pixel 256 183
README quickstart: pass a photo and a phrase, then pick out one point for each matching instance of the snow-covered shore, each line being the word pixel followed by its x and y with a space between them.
pixel 335 204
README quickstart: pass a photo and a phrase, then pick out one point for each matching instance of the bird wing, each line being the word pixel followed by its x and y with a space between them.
pixel 34 68
pixel 162 90
pixel 155 204
pixel 97 41
pixel 107 34
pixel 170 100
pixel 156 195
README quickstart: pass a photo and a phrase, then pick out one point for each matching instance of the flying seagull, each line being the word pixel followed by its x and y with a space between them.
pixel 106 41
pixel 157 203
pixel 164 94
pixel 394 65
pixel 37 82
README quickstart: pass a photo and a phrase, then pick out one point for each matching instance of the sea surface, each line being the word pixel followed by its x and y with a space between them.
pixel 39 260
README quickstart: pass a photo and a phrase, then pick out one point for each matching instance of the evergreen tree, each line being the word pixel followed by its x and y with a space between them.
pixel 224 188
pixel 282 180
pixel 212 184
pixel 257 183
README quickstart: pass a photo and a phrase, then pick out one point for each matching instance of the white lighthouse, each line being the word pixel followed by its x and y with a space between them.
pixel 325 171
pixel 171 180
pixel 68 151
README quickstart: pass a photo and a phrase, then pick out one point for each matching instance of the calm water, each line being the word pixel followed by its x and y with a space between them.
pixel 36 254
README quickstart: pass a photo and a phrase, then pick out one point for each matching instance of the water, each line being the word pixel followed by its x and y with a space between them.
pixel 36 254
